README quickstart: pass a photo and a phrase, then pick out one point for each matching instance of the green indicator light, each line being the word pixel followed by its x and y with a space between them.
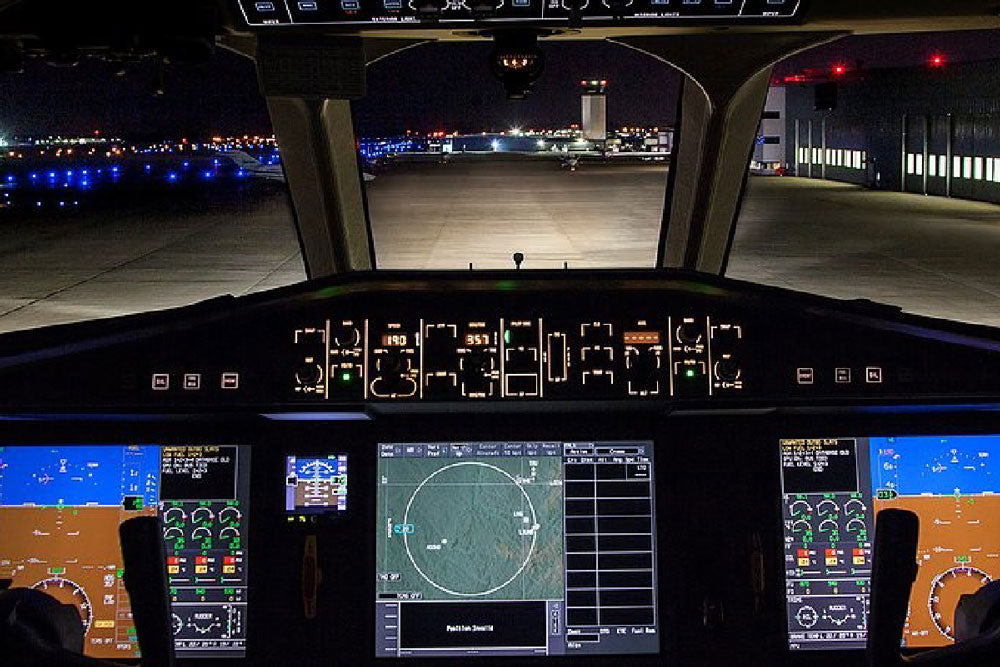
pixel 689 372
pixel 346 377
pixel 57 570
pixel 962 559
pixel 506 336
pixel 119 572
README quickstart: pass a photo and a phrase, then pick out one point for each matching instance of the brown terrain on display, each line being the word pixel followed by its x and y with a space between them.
pixel 959 546
pixel 83 541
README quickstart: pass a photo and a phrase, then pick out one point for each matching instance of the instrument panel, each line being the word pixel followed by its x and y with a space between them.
pixel 646 339
pixel 267 13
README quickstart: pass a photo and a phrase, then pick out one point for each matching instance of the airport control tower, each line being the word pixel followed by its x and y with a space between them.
pixel 594 102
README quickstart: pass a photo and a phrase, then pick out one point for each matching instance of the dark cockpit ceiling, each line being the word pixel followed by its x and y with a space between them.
pixel 655 434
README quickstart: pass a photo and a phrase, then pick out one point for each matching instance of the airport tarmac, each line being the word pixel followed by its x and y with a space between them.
pixel 929 255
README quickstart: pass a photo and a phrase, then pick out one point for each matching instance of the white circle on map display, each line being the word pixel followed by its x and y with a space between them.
pixel 527 558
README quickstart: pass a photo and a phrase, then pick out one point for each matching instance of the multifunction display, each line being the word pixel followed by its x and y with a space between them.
pixel 515 548
pixel 832 488
pixel 60 508
pixel 312 12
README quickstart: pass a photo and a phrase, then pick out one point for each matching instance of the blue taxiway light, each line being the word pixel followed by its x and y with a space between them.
pixel 172 177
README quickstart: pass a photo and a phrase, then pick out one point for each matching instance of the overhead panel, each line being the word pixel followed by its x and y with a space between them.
pixel 392 13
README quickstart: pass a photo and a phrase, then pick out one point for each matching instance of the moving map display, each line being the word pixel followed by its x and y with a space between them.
pixel 60 508
pixel 833 488
pixel 515 548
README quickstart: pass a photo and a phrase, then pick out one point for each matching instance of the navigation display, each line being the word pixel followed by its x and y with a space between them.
pixel 60 508
pixel 832 488
pixel 316 485
pixel 515 548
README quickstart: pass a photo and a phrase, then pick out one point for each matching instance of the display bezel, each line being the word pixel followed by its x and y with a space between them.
pixel 161 432
pixel 851 423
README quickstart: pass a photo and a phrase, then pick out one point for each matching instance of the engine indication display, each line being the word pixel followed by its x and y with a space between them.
pixel 515 549
pixel 60 508
pixel 832 490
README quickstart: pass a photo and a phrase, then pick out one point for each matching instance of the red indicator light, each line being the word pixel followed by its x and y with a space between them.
pixel 173 560
pixel 839 69
pixel 201 560
pixel 937 60
pixel 229 560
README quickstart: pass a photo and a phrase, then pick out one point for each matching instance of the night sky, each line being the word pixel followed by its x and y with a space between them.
pixel 435 87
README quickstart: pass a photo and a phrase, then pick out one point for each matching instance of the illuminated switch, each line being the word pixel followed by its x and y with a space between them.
pixel 201 569
pixel 805 375
pixel 230 380
pixel 228 560
pixel 173 560
pixel 873 375
pixel 173 569
pixel 831 556
pixel 229 569
pixel 859 557
pixel 161 381
pixel 803 562
pixel 192 380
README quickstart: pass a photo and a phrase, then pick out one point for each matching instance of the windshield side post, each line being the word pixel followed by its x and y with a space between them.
pixel 313 124
pixel 726 80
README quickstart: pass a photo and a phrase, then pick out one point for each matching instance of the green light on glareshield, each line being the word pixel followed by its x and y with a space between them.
pixel 506 336
pixel 690 373
pixel 346 377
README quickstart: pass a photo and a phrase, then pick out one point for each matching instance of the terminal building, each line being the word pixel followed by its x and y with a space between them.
pixel 931 130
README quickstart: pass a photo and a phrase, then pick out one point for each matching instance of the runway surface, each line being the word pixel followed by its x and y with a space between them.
pixel 929 255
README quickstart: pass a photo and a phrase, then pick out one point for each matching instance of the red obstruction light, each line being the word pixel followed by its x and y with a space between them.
pixel 839 69
pixel 937 60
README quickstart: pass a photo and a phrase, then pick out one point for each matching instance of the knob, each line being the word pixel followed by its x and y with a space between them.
pixel 727 370
pixel 345 335
pixel 429 7
pixel 689 333
pixel 391 365
pixel 309 373
pixel 478 364
pixel 642 364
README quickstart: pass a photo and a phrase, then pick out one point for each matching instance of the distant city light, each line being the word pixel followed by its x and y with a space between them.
pixel 496 144
pixel 541 143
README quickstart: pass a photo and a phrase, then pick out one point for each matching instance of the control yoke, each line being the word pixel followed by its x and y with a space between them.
pixel 36 629
pixel 977 618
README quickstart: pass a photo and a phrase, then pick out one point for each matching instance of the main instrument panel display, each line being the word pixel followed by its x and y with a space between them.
pixel 833 488
pixel 515 548
pixel 60 508
pixel 313 12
